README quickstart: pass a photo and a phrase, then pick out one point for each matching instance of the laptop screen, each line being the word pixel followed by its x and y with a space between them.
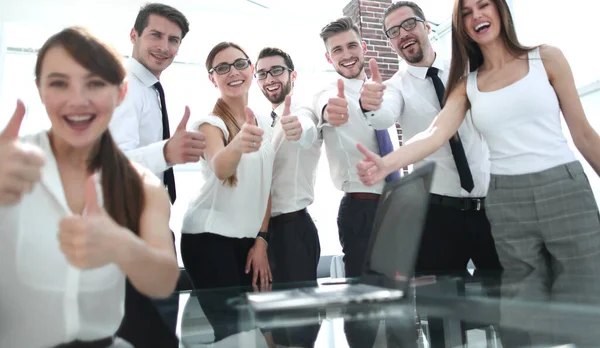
pixel 397 229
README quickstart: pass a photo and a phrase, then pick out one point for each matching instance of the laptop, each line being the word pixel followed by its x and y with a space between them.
pixel 391 255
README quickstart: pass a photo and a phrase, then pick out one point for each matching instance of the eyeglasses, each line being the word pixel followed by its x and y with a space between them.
pixel 274 71
pixel 224 68
pixel 408 25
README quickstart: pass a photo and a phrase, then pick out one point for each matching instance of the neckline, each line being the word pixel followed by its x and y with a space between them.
pixel 507 86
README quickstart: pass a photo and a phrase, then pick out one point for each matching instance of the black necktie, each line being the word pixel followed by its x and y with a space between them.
pixel 458 151
pixel 168 177
pixel 274 117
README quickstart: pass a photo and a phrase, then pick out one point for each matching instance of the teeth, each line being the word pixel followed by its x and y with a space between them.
pixel 409 43
pixel 235 83
pixel 79 118
pixel 348 64
pixel 272 88
pixel 482 25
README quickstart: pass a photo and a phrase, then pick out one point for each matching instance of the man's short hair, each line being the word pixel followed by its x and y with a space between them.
pixel 274 52
pixel 398 4
pixel 162 10
pixel 340 25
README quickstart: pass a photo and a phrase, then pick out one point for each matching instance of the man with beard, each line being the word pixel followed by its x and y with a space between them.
pixel 342 125
pixel 294 247
pixel 140 127
pixel 457 228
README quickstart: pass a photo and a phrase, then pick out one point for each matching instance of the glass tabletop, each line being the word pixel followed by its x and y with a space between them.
pixel 493 310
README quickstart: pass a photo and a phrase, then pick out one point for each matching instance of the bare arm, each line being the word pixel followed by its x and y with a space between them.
pixel 443 127
pixel 223 159
pixel 149 261
pixel 584 136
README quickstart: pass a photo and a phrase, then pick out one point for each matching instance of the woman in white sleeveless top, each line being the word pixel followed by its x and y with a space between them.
pixel 540 204
pixel 220 244
pixel 77 216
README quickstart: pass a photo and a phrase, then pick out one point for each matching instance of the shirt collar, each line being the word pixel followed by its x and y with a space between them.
pixel 421 71
pixel 353 84
pixel 141 72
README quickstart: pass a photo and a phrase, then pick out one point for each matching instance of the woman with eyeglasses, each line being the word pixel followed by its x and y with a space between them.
pixel 540 205
pixel 224 242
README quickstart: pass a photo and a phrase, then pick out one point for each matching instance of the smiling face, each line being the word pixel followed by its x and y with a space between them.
pixel 412 45
pixel 275 88
pixel 157 45
pixel 79 103
pixel 346 52
pixel 481 21
pixel 235 83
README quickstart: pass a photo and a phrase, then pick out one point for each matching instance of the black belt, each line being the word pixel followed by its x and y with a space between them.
pixel 289 216
pixel 101 343
pixel 463 204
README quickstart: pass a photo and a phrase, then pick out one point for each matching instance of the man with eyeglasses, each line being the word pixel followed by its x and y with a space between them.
pixel 294 247
pixel 456 228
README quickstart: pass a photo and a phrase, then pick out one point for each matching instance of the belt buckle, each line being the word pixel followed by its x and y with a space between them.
pixel 477 204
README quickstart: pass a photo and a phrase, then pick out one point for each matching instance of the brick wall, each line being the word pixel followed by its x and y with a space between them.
pixel 368 15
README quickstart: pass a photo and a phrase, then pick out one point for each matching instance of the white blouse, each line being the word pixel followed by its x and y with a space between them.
pixel 237 211
pixel 44 301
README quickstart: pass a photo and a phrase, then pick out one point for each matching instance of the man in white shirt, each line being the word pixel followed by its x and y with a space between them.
pixel 294 247
pixel 342 125
pixel 457 228
pixel 141 129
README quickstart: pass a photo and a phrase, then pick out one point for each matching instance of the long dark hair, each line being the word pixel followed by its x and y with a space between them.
pixel 466 53
pixel 221 109
pixel 122 186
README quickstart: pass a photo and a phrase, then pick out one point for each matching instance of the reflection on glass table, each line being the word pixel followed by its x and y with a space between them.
pixel 506 310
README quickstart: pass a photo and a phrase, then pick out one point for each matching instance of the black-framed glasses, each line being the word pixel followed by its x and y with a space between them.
pixel 274 71
pixel 224 68
pixel 408 25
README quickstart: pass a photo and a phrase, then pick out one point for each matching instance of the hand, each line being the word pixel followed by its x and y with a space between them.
pixel 90 240
pixel 372 168
pixel 258 261
pixel 290 124
pixel 371 95
pixel 184 146
pixel 20 164
pixel 336 112
pixel 249 138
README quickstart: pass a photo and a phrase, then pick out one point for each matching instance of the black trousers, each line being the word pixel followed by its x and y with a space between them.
pixel 450 239
pixel 355 223
pixel 149 322
pixel 294 252
pixel 215 261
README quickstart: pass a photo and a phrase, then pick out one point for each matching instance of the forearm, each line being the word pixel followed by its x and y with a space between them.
pixel 589 146
pixel 415 149
pixel 151 156
pixel 152 271
pixel 225 162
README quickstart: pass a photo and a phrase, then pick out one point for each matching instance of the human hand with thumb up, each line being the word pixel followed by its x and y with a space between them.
pixel 20 164
pixel 91 240
pixel 249 138
pixel 336 111
pixel 184 146
pixel 290 123
pixel 371 95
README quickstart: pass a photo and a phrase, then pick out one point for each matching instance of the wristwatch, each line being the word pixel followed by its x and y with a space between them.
pixel 263 235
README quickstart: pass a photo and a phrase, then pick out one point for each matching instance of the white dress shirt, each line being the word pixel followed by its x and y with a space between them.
pixel 295 167
pixel 44 300
pixel 136 125
pixel 340 142
pixel 235 212
pixel 411 100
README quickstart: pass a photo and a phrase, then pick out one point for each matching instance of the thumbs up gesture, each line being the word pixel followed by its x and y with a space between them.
pixel 290 124
pixel 336 112
pixel 249 138
pixel 89 240
pixel 371 95
pixel 20 164
pixel 184 146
